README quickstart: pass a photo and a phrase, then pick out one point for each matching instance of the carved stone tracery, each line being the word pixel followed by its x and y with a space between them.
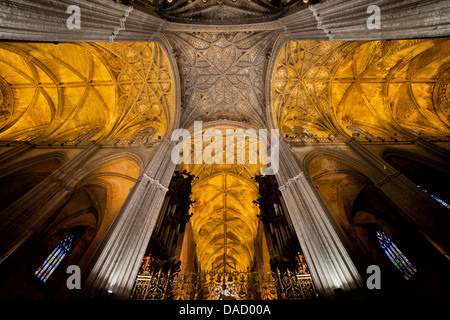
pixel 301 83
pixel 6 102
pixel 442 97
pixel 145 87
pixel 222 74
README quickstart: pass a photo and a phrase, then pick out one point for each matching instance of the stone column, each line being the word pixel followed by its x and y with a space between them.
pixel 115 265
pixel 348 20
pixel 47 21
pixel 319 236
pixel 417 208
pixel 27 214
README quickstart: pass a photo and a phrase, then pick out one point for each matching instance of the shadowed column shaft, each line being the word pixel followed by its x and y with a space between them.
pixel 328 259
pixel 116 262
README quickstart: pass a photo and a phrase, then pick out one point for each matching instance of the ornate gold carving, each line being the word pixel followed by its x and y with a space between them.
pixel 223 285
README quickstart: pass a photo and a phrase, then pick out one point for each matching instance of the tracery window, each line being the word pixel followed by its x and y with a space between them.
pixel 54 259
pixel 32 136
pixel 86 136
pixel 356 132
pixel 395 255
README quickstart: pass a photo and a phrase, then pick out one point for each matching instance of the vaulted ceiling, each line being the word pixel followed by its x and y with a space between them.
pixel 49 88
pixel 55 93
pixel 380 87
pixel 223 75
pixel 58 92
pixel 387 87
pixel 224 220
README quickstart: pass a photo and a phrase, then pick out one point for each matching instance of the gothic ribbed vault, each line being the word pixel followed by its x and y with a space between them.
pixel 135 93
pixel 222 75
pixel 58 92
pixel 381 87
pixel 224 221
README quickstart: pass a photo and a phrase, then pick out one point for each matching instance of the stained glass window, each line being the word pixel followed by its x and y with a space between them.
pixel 86 136
pixel 54 259
pixel 396 256
pixel 301 132
pixel 144 135
pixel 445 204
pixel 356 132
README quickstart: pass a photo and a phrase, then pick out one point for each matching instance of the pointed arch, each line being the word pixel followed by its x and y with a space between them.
pixel 18 178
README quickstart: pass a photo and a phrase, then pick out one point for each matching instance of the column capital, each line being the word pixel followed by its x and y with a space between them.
pixel 158 184
pixel 290 181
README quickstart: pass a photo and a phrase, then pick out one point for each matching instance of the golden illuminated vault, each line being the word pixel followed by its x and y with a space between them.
pixel 224 222
pixel 56 92
pixel 381 87
pixel 387 87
